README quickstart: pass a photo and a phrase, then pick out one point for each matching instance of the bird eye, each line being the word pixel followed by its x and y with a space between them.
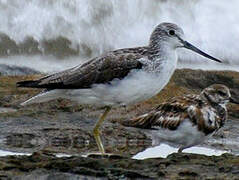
pixel 171 32
pixel 222 93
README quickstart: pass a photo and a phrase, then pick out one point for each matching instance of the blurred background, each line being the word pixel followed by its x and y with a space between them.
pixel 52 35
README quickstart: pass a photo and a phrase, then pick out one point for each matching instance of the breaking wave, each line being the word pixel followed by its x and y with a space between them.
pixel 57 31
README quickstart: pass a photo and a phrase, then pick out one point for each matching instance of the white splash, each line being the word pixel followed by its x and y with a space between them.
pixel 104 25
pixel 9 153
pixel 45 64
pixel 164 150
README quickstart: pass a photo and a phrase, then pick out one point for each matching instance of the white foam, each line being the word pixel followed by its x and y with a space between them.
pixel 45 64
pixel 164 150
pixel 9 153
pixel 59 155
pixel 102 25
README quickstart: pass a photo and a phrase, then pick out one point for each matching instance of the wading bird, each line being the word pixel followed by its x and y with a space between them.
pixel 117 78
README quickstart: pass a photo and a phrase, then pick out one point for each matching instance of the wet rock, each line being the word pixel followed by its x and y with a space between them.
pixel 199 79
pixel 190 166
pixel 59 47
pixel 62 126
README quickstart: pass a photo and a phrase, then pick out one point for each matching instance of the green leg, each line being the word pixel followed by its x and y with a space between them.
pixel 96 131
pixel 180 150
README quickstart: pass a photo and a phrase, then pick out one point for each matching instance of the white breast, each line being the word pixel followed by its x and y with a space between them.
pixel 139 85
pixel 186 135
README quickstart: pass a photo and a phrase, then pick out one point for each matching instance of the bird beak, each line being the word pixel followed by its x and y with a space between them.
pixel 193 48
pixel 232 100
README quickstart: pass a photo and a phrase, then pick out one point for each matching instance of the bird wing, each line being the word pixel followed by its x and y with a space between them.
pixel 167 115
pixel 103 69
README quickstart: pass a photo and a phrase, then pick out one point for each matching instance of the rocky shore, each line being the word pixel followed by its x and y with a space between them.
pixel 62 126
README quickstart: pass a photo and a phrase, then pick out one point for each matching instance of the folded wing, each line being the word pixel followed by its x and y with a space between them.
pixel 102 69
pixel 167 115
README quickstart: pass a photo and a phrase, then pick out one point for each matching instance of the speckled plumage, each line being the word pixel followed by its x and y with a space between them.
pixel 171 114
pixel 102 69
pixel 202 114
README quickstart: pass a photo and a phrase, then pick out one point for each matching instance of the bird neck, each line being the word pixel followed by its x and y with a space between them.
pixel 220 108
pixel 206 98
pixel 162 57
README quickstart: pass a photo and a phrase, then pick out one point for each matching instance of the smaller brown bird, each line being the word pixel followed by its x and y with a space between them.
pixel 186 121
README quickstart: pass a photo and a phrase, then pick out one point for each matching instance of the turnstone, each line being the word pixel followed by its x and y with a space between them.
pixel 120 77
pixel 188 120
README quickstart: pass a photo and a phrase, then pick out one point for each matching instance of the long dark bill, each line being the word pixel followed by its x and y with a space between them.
pixel 193 48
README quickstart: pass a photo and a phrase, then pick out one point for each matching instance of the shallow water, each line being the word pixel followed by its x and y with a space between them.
pixel 18 144
pixel 162 151
pixel 7 110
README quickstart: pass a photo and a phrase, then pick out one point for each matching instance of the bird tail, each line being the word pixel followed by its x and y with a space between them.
pixel 28 84
pixel 139 122
pixel 43 97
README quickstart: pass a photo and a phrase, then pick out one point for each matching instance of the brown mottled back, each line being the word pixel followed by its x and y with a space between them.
pixel 171 114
